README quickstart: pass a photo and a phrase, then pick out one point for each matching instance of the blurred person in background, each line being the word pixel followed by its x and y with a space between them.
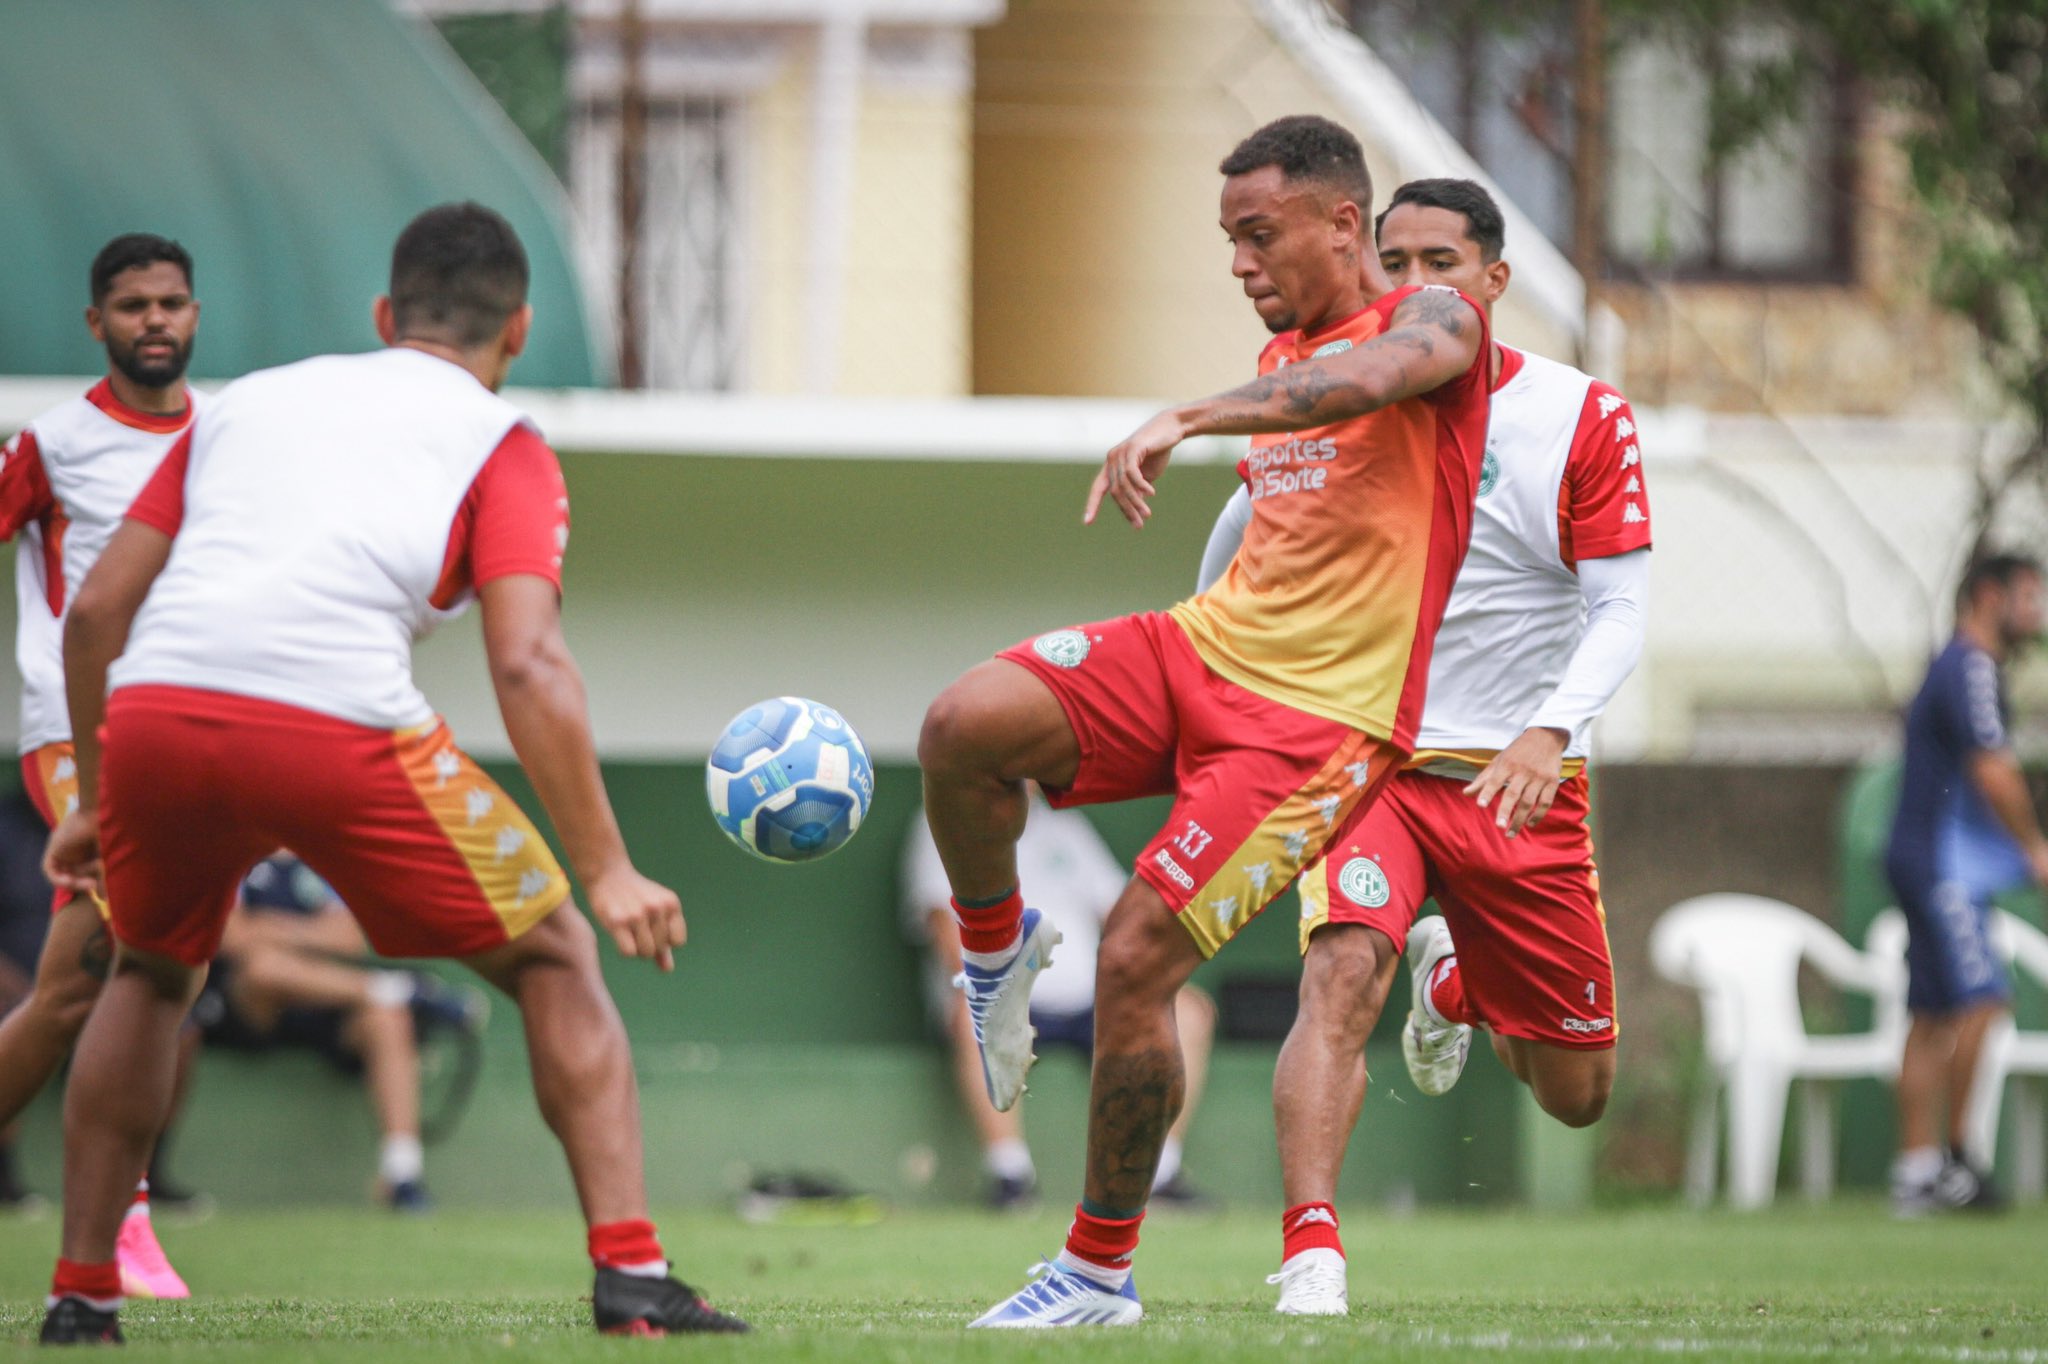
pixel 291 972
pixel 67 480
pixel 1966 830
pixel 1545 621
pixel 1076 881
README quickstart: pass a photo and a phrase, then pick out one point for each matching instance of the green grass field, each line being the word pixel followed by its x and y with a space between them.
pixel 1844 1282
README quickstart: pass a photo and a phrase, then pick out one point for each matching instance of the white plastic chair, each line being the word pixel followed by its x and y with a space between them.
pixel 1742 953
pixel 2020 1058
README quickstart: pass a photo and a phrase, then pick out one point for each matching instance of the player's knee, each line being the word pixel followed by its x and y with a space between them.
pixel 953 727
pixel 1344 979
pixel 1577 1098
pixel 63 1005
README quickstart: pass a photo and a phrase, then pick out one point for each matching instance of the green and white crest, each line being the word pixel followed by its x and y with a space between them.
pixel 1363 883
pixel 1489 471
pixel 1062 648
pixel 1337 347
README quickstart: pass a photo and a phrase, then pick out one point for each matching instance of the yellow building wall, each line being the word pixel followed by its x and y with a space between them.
pixel 1878 345
pixel 1099 266
pixel 905 300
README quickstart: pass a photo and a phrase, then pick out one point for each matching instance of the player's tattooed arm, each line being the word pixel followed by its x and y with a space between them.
pixel 1433 339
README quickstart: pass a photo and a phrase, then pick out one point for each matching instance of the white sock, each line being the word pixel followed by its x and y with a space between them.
pixel 1112 1279
pixel 1009 1158
pixel 401 1160
pixel 653 1269
pixel 1429 991
pixel 392 989
pixel 994 961
pixel 1169 1162
pixel 139 1207
pixel 1917 1166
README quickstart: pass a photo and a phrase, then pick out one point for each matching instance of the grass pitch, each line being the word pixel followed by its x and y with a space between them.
pixel 1842 1282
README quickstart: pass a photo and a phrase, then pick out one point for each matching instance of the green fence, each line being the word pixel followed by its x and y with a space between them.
pixel 791 1035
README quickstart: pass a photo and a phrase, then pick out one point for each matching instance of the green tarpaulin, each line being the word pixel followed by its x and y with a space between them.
pixel 284 142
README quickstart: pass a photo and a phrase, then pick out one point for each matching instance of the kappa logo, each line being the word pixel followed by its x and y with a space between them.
pixel 1588 1025
pixel 1623 429
pixel 1062 648
pixel 1632 515
pixel 1311 1216
pixel 1631 457
pixel 1363 883
pixel 1337 347
pixel 1608 402
pixel 1489 472
pixel 1174 870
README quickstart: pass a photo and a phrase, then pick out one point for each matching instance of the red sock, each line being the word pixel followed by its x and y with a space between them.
pixel 1105 1241
pixel 992 929
pixel 1310 1226
pixel 625 1245
pixel 94 1283
pixel 1447 993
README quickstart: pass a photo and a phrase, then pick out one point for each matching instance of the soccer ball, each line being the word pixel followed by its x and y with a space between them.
pixel 789 780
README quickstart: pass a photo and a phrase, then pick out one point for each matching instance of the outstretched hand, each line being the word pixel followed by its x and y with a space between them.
pixel 645 918
pixel 1524 777
pixel 1128 471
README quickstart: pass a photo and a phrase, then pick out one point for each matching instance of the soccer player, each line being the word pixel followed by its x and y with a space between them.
pixel 1965 830
pixel 66 481
pixel 1489 816
pixel 315 520
pixel 1273 706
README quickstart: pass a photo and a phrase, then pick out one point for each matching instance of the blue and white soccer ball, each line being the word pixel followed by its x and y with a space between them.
pixel 789 780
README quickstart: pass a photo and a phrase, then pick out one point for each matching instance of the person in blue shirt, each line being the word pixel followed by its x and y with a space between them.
pixel 1965 830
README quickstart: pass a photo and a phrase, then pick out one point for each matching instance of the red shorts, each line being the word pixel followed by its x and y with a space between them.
pixel 429 854
pixel 1261 787
pixel 1525 912
pixel 50 776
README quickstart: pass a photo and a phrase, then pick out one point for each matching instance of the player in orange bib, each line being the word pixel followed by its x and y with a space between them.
pixel 1272 707
pixel 1490 817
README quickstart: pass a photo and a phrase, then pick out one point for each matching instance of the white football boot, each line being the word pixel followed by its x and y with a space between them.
pixel 1060 1297
pixel 1313 1284
pixel 1435 1051
pixel 999 1003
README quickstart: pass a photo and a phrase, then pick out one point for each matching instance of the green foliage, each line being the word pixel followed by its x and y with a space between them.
pixel 1972 76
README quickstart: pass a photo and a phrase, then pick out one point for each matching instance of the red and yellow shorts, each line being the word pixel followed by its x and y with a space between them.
pixel 50 776
pixel 1525 912
pixel 430 855
pixel 1260 787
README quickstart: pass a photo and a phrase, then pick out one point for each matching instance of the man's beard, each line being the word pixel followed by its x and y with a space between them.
pixel 151 373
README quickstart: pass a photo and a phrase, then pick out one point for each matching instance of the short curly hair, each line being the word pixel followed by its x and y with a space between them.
pixel 1306 147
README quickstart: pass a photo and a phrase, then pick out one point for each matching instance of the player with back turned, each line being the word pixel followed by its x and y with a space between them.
pixel 66 480
pixel 1272 707
pixel 316 520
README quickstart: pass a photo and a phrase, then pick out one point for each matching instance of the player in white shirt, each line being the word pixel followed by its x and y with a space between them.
pixel 1076 880
pixel 66 480
pixel 1543 625
pixel 262 598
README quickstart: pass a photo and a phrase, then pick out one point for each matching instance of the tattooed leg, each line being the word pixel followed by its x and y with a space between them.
pixel 1139 1082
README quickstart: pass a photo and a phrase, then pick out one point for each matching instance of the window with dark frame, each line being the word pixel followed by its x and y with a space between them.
pixel 1499 80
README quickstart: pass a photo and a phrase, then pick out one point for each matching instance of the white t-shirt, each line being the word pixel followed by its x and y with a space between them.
pixel 319 509
pixel 67 480
pixel 1068 874
pixel 1545 619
